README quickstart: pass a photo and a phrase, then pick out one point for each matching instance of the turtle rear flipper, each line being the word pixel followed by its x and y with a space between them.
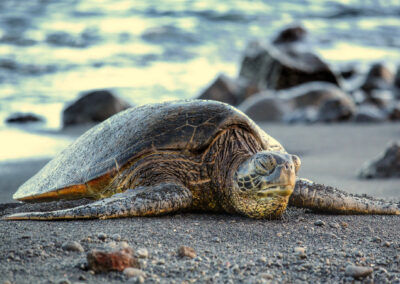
pixel 141 201
pixel 321 198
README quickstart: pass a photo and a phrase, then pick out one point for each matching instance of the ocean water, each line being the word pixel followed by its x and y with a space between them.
pixel 150 51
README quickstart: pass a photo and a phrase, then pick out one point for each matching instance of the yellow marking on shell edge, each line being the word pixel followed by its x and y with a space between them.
pixel 70 192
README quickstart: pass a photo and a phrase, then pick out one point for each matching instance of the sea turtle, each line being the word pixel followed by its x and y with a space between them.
pixel 184 155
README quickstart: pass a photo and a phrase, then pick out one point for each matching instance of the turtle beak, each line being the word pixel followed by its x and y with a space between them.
pixel 281 181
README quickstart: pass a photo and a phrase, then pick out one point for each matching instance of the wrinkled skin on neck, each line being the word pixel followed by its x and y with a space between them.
pixel 262 184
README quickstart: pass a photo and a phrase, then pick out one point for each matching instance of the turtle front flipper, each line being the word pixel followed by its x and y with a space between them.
pixel 321 198
pixel 141 201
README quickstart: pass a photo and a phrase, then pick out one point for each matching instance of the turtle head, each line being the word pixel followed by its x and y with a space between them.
pixel 263 183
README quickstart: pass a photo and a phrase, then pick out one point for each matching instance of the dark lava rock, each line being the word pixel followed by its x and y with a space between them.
pixel 309 102
pixel 23 118
pixel 336 110
pixel 397 78
pixel 291 34
pixel 266 107
pixel 348 72
pixel 103 261
pixel 378 77
pixel 223 89
pixel 394 111
pixel 369 113
pixel 284 67
pixel 92 107
pixel 385 166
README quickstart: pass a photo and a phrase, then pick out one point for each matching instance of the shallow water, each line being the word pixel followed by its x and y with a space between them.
pixel 148 51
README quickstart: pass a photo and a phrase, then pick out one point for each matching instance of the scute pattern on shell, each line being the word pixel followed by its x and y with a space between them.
pixel 188 126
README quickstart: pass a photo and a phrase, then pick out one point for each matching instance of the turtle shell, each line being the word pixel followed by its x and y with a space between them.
pixel 188 126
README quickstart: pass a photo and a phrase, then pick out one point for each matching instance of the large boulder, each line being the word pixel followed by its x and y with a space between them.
pixel 273 67
pixel 223 89
pixel 310 102
pixel 378 77
pixel 292 34
pixel 366 113
pixel 266 106
pixel 385 166
pixel 93 107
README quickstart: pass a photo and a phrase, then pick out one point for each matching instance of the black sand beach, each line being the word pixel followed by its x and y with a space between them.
pixel 230 249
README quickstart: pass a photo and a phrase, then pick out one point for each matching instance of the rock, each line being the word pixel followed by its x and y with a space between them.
pixel 290 34
pixel 281 68
pixel 103 261
pixel 102 236
pixel 336 110
pixel 304 103
pixel 381 98
pixel 186 251
pixel 397 78
pixel 266 275
pixel 394 111
pixel 116 237
pixel 358 272
pixel 142 253
pixel 348 72
pixel 334 225
pixel 72 246
pixel 319 223
pixel 223 89
pixel 133 272
pixel 23 118
pixel 64 281
pixel 93 107
pixel 266 107
pixel 369 113
pixel 216 239
pixel 378 77
pixel 385 166
pixel 300 252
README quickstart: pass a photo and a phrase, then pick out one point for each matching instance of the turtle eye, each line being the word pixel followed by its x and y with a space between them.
pixel 265 164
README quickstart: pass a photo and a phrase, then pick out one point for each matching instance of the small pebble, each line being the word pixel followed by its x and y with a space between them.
pixel 133 272
pixel 137 280
pixel 386 244
pixel 267 276
pixel 376 239
pixel 319 223
pixel 64 281
pixel 142 253
pixel 334 225
pixel 101 236
pixel 344 224
pixel 186 251
pixel 216 240
pixel 300 252
pixel 72 246
pixel 357 272
pixel 116 237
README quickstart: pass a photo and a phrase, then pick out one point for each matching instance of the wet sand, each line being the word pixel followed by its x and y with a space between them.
pixel 230 249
